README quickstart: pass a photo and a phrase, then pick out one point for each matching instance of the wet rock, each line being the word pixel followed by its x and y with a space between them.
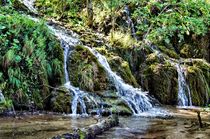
pixel 60 101
pixel 162 82
pixel 85 71
pixel 25 5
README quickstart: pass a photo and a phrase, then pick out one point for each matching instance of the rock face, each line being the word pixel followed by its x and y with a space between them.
pixel 196 47
pixel 60 100
pixel 198 75
pixel 85 71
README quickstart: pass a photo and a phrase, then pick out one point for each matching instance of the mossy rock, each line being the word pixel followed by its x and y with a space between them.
pixel 86 72
pixel 162 82
pixel 18 4
pixel 121 110
pixel 122 68
pixel 199 86
pixel 196 47
pixel 61 100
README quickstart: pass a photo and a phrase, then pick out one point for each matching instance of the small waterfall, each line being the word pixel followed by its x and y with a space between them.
pixel 137 100
pixel 68 41
pixel 30 5
pixel 183 100
pixel 130 22
pixel 2 98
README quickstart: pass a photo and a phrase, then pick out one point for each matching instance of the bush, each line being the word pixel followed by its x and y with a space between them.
pixel 29 58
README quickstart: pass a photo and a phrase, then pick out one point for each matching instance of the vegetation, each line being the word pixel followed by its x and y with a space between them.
pixel 30 59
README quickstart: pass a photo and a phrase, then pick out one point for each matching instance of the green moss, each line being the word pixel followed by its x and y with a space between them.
pixel 86 72
pixel 60 101
pixel 199 86
pixel 28 53
pixel 162 82
pixel 122 68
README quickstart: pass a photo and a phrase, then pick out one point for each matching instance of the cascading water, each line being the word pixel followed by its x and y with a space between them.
pixel 30 5
pixel 137 100
pixel 68 42
pixel 130 22
pixel 2 99
pixel 184 99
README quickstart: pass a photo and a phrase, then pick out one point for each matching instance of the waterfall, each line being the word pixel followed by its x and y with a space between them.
pixel 68 41
pixel 183 100
pixel 136 99
pixel 184 95
pixel 130 22
pixel 2 99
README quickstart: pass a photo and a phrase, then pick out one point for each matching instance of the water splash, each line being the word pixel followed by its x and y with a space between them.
pixel 137 100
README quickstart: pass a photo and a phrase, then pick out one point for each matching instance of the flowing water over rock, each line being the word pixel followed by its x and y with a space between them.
pixel 2 99
pixel 183 100
pixel 135 97
pixel 68 41
pixel 130 22
pixel 184 95
pixel 137 100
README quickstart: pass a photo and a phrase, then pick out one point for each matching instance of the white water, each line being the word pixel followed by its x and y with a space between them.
pixel 184 94
pixel 2 99
pixel 183 100
pixel 130 22
pixel 30 5
pixel 136 99
pixel 68 42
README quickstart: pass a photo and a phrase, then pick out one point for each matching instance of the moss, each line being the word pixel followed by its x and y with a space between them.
pixel 18 4
pixel 122 68
pixel 168 51
pixel 60 101
pixel 162 82
pixel 86 72
pixel 121 110
pixel 199 86
pixel 195 46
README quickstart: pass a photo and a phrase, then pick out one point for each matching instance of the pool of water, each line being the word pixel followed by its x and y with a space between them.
pixel 160 123
pixel 40 126
pixel 175 123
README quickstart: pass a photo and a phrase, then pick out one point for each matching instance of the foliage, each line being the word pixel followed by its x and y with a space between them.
pixel 65 10
pixel 171 21
pixel 29 58
pixel 4 105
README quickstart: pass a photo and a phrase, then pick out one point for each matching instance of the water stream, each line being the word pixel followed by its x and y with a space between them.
pixel 137 100
pixel 2 99
pixel 130 22
pixel 68 42
pixel 183 100
pixel 184 94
